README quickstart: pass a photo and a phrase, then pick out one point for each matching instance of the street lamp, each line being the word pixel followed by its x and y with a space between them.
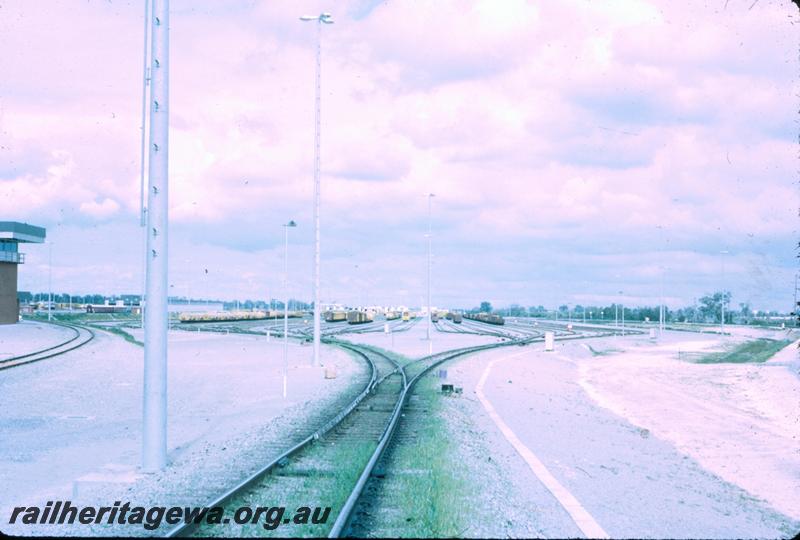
pixel 50 281
pixel 286 302
pixel 722 300
pixel 661 307
pixel 156 318
pixel 323 18
pixel 430 196
pixel 622 311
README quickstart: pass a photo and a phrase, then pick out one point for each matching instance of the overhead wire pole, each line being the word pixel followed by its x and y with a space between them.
pixel 430 196
pixel 722 300
pixel 142 208
pixel 326 19
pixel 50 280
pixel 286 303
pixel 154 432
pixel 661 307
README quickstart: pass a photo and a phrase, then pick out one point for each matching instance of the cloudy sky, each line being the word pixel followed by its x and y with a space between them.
pixel 578 151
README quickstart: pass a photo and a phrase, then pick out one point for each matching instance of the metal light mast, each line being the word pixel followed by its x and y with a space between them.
pixel 142 207
pixel 50 281
pixel 286 303
pixel 154 436
pixel 722 300
pixel 323 18
pixel 428 331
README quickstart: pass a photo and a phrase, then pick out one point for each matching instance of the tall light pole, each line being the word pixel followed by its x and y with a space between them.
pixel 661 307
pixel 50 281
pixel 722 300
pixel 154 434
pixel 323 18
pixel 622 311
pixel 286 303
pixel 142 205
pixel 428 332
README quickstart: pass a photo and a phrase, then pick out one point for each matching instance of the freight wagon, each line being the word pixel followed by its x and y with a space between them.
pixel 358 317
pixel 489 318
pixel 336 316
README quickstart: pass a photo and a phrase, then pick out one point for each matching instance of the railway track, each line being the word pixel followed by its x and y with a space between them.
pixel 80 337
pixel 352 432
pixel 336 460
pixel 334 465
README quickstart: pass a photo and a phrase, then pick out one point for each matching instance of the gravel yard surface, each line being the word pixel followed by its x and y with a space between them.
pixel 413 342
pixel 28 336
pixel 71 426
pixel 632 478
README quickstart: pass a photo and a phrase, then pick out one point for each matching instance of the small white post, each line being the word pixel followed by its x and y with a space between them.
pixel 549 341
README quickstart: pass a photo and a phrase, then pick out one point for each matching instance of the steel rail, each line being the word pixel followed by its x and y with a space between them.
pixel 345 514
pixel 185 528
pixel 29 358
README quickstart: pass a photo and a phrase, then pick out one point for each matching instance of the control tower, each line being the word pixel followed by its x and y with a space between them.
pixel 12 233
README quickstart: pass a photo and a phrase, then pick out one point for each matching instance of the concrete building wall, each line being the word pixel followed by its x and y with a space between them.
pixel 9 307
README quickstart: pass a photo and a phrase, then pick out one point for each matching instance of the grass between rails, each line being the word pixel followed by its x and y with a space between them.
pixel 755 351
pixel 120 332
pixel 604 352
pixel 324 482
pixel 424 480
pixel 91 320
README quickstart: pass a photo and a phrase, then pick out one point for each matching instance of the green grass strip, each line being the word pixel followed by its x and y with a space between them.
pixel 756 351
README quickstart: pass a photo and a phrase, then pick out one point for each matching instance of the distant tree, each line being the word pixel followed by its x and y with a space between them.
pixel 745 312
pixel 486 307
pixel 711 306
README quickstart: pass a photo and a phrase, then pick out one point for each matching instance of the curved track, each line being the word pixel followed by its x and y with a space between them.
pixel 80 337
pixel 345 450
pixel 361 423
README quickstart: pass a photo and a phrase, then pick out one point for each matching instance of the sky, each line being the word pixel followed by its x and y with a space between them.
pixel 579 152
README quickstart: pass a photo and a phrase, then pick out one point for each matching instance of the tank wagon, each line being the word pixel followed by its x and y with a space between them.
pixel 358 317
pixel 489 318
pixel 335 316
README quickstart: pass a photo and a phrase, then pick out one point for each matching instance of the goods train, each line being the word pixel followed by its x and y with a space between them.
pixel 335 316
pixel 228 316
pixel 358 317
pixel 102 308
pixel 489 318
pixel 392 315
pixel 434 317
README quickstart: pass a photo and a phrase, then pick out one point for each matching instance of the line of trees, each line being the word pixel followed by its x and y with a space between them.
pixel 707 310
pixel 27 297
